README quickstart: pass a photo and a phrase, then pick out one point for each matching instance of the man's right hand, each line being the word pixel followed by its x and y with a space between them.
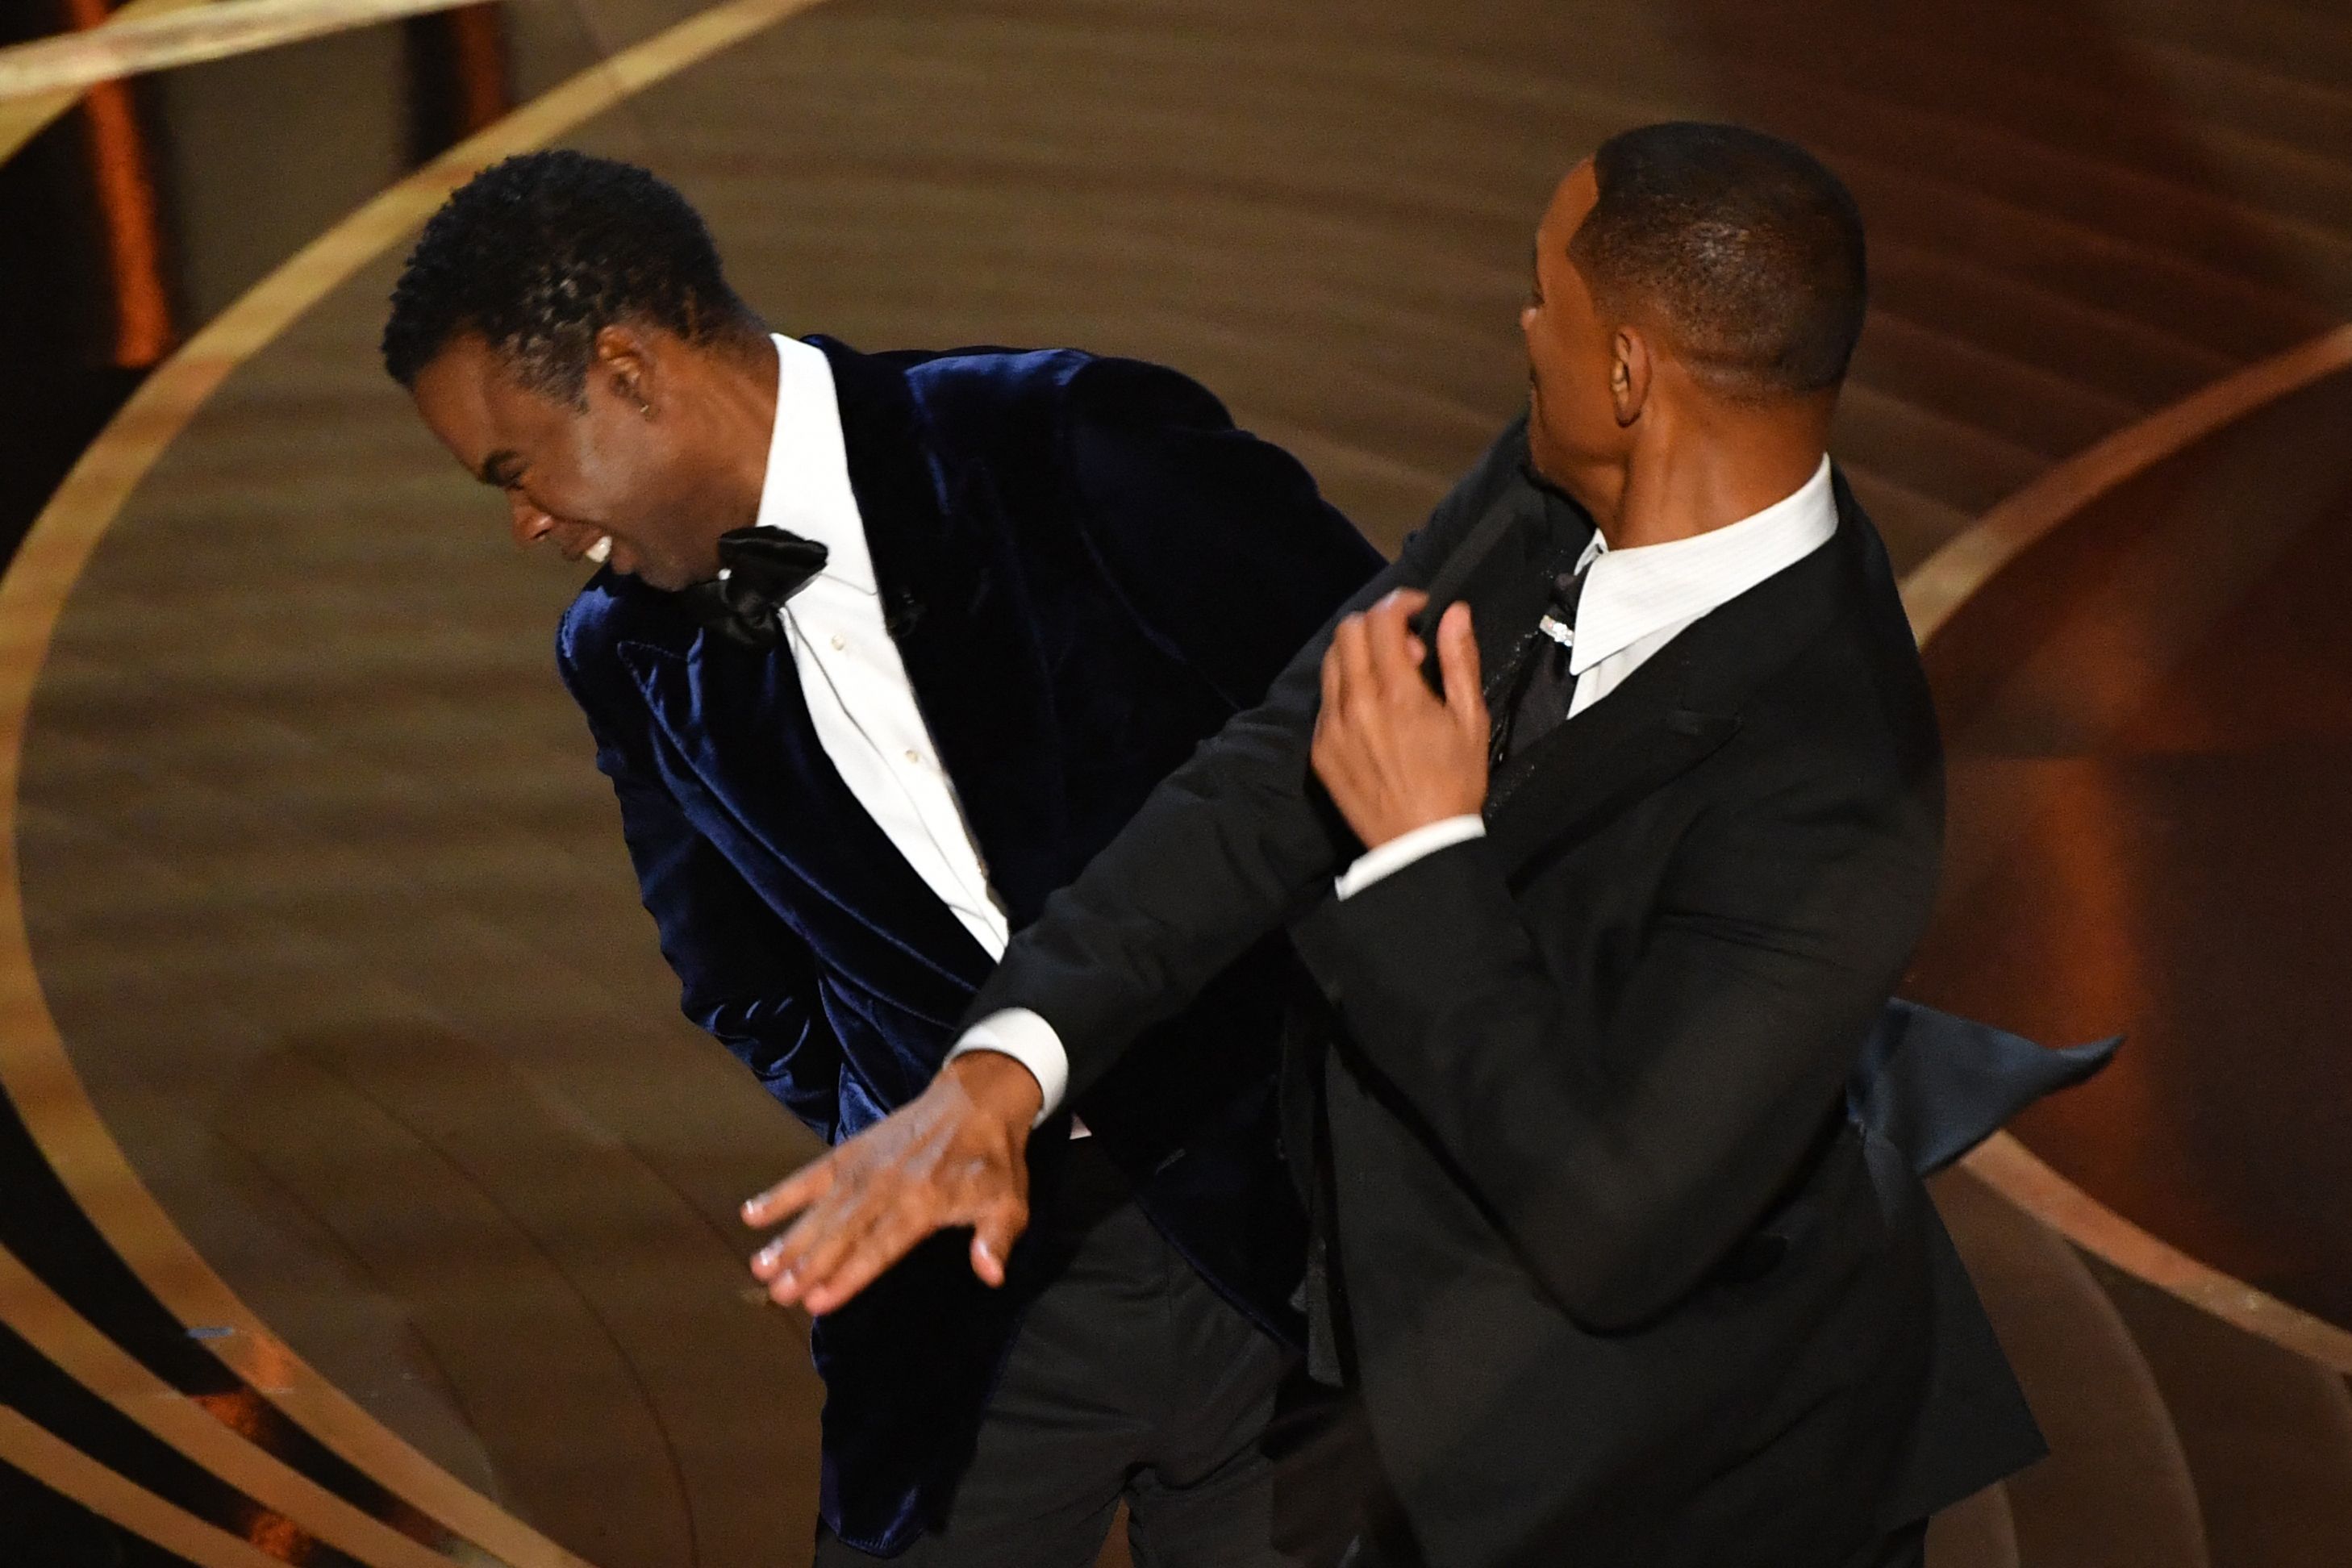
pixel 954 1155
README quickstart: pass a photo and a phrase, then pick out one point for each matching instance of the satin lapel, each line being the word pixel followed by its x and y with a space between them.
pixel 772 777
pixel 952 595
pixel 1614 752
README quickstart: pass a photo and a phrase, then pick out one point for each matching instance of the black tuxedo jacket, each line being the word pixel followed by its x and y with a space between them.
pixel 1620 1280
pixel 1086 568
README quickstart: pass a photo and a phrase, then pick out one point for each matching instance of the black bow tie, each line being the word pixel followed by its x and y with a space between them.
pixel 758 569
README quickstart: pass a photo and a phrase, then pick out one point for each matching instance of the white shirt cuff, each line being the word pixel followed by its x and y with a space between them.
pixel 1028 1039
pixel 1402 851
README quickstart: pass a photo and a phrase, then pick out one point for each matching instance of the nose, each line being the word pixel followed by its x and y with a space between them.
pixel 529 524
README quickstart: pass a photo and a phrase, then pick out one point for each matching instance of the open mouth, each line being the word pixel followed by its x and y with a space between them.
pixel 600 552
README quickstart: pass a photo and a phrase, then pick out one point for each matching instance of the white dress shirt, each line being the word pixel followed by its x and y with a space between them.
pixel 1635 603
pixel 858 696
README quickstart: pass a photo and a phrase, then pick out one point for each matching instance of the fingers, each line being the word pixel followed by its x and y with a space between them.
pixel 1409 600
pixel 1457 660
pixel 789 1196
pixel 847 1269
pixel 1335 675
pixel 1351 651
pixel 851 1252
pixel 814 1247
pixel 945 1159
pixel 994 1235
pixel 1389 639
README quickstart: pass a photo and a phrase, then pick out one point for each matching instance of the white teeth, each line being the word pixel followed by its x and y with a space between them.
pixel 601 551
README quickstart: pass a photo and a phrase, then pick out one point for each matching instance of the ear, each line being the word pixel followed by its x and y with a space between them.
pixel 627 365
pixel 1629 374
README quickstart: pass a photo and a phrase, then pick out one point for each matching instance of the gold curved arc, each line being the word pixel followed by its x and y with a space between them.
pixel 45 1321
pixel 2020 1176
pixel 66 1470
pixel 1933 594
pixel 1934 590
pixel 35 1071
pixel 70 62
pixel 22 119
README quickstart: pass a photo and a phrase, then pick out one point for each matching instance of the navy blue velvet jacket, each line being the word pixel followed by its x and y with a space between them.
pixel 1086 569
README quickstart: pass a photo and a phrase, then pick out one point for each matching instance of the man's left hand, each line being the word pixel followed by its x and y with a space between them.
pixel 1393 754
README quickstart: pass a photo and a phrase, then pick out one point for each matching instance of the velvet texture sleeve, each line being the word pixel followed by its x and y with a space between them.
pixel 1236 840
pixel 745 976
pixel 1220 543
pixel 1623 1143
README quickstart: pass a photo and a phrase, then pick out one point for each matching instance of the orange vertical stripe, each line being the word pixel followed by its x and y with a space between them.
pixel 127 207
pixel 477 38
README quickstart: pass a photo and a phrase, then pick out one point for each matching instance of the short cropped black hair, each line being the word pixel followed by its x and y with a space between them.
pixel 1746 250
pixel 540 252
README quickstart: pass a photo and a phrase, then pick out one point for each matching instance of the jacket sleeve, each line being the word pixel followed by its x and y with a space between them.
pixel 1624 1143
pixel 745 976
pixel 1234 842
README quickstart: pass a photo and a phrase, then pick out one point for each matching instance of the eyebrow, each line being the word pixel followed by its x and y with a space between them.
pixel 497 468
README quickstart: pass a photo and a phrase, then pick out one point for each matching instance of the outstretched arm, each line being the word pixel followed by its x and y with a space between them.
pixel 1223 851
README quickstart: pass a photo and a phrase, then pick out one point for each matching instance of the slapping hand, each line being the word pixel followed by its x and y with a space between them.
pixel 953 1156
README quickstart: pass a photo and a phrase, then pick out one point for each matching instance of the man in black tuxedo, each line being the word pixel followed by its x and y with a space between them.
pixel 882 650
pixel 1595 925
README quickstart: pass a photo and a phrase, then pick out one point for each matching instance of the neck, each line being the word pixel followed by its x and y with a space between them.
pixel 747 392
pixel 1688 476
pixel 733 405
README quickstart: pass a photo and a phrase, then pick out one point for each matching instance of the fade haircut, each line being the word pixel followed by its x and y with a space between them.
pixel 1742 246
pixel 540 252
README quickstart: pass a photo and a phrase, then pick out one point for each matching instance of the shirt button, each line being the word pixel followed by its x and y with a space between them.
pixel 913 755
pixel 839 641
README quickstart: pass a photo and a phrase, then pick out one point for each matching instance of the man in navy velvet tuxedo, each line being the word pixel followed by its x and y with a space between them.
pixel 883 649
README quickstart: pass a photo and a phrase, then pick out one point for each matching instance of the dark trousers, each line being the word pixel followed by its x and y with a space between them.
pixel 1132 1381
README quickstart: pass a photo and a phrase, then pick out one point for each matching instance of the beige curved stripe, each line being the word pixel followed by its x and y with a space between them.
pixel 1933 592
pixel 34 1068
pixel 22 119
pixel 64 1468
pixel 70 62
pixel 43 1320
pixel 2018 1174
pixel 1941 585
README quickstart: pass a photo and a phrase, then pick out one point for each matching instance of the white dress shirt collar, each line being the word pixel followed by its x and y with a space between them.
pixel 807 488
pixel 1630 594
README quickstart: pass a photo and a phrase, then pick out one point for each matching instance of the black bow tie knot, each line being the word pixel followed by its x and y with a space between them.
pixel 758 570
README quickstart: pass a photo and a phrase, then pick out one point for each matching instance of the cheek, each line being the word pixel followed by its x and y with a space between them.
pixel 594 479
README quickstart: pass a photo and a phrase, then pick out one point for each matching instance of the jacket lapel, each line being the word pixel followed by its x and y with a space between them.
pixel 773 782
pixel 954 599
pixel 1680 706
pixel 1607 757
